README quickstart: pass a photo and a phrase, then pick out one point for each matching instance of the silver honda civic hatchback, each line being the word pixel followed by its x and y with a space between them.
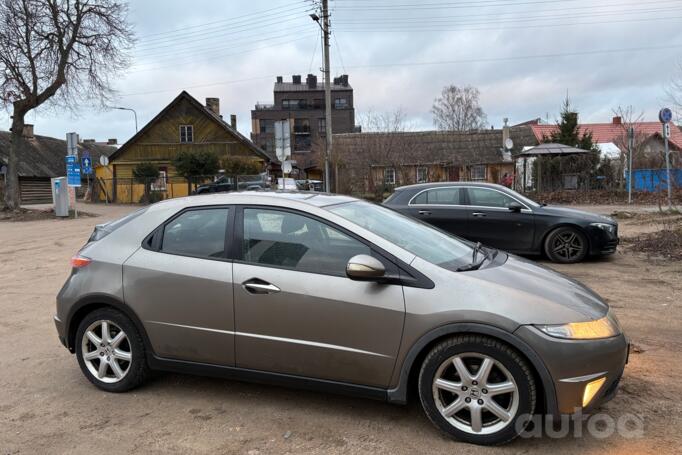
pixel 332 293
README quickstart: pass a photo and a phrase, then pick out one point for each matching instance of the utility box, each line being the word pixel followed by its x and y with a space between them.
pixel 60 196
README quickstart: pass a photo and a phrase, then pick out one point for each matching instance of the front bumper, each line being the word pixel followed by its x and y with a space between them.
pixel 574 363
pixel 603 242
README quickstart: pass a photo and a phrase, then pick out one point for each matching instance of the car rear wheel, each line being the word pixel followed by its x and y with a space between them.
pixel 566 245
pixel 110 351
pixel 477 389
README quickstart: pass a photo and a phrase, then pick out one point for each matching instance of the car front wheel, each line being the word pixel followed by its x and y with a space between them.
pixel 566 245
pixel 110 351
pixel 477 389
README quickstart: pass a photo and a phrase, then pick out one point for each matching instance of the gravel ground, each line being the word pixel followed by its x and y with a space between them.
pixel 47 406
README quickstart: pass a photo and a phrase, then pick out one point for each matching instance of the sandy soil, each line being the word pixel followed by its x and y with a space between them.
pixel 47 406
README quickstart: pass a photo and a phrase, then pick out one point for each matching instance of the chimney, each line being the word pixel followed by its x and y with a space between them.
pixel 296 78
pixel 505 133
pixel 344 80
pixel 112 141
pixel 233 121
pixel 617 121
pixel 214 105
pixel 28 131
pixel 311 80
pixel 88 141
pixel 279 79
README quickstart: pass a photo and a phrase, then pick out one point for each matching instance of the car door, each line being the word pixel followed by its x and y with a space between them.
pixel 297 313
pixel 493 223
pixel 442 207
pixel 180 285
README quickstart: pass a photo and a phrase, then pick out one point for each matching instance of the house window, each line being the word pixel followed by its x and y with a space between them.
pixel 267 126
pixel 478 172
pixel 186 133
pixel 301 126
pixel 389 176
pixel 292 104
pixel 340 103
pixel 321 125
pixel 422 174
pixel 160 183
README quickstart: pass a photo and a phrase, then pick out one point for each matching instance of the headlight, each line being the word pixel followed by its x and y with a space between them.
pixel 601 328
pixel 610 228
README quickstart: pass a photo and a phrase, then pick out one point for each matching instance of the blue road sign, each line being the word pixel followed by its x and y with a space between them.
pixel 665 115
pixel 86 165
pixel 73 171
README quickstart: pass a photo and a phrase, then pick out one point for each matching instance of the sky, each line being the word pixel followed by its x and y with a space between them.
pixel 524 56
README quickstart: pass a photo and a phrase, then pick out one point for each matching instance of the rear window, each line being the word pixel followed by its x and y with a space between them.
pixel 102 230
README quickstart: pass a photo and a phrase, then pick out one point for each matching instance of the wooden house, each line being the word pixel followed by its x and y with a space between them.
pixel 185 124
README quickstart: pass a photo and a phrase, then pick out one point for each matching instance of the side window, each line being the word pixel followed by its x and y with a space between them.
pixel 288 240
pixel 488 198
pixel 199 233
pixel 441 196
pixel 186 134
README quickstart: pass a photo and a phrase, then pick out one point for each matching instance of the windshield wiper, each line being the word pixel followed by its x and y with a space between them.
pixel 474 264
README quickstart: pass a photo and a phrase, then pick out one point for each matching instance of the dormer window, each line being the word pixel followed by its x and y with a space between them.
pixel 186 134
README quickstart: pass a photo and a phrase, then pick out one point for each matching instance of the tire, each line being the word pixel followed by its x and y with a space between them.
pixel 509 370
pixel 566 245
pixel 125 366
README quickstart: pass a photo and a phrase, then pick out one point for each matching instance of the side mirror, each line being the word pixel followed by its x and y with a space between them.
pixel 515 207
pixel 364 268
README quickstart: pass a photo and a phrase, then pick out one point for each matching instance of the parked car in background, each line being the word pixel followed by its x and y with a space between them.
pixel 230 183
pixel 501 218
pixel 332 293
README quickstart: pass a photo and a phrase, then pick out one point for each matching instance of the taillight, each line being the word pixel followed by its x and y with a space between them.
pixel 78 261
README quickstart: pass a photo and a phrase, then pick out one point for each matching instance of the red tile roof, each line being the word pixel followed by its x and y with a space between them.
pixel 614 132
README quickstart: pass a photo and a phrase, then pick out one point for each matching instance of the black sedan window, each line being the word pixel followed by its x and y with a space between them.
pixel 483 197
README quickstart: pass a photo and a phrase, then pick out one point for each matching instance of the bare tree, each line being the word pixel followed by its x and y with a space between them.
pixel 674 91
pixel 458 109
pixel 59 52
pixel 629 119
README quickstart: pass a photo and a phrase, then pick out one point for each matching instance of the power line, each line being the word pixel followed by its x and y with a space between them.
pixel 449 5
pixel 312 59
pixel 222 21
pixel 529 26
pixel 441 62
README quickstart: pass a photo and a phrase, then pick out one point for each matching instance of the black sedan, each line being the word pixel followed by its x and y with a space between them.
pixel 501 218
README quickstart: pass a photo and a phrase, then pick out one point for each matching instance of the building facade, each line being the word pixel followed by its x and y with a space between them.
pixel 302 104
pixel 373 164
pixel 184 125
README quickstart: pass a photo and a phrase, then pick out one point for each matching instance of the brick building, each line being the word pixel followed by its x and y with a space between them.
pixel 302 103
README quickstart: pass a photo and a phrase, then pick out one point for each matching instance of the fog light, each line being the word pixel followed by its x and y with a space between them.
pixel 591 390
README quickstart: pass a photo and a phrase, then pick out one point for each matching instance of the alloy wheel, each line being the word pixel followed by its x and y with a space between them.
pixel 475 393
pixel 106 350
pixel 567 245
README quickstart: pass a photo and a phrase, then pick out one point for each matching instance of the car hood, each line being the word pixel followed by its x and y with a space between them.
pixel 573 213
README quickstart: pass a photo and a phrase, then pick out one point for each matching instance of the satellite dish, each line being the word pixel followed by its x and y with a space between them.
pixel 103 160
pixel 287 167
pixel 508 144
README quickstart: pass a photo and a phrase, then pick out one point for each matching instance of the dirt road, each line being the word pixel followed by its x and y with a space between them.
pixel 47 406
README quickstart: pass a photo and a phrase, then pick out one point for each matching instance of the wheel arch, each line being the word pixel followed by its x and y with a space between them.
pixel 554 227
pixel 415 356
pixel 90 303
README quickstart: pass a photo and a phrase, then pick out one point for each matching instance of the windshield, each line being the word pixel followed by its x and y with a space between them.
pixel 414 236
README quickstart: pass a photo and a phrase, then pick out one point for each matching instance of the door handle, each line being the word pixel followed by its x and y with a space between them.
pixel 478 214
pixel 424 212
pixel 256 286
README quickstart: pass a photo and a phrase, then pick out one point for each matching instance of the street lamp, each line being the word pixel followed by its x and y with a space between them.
pixel 128 109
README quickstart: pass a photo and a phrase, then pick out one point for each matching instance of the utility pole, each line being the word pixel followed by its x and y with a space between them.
pixel 631 146
pixel 327 97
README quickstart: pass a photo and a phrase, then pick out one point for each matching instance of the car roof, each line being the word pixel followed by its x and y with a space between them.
pixel 422 186
pixel 312 198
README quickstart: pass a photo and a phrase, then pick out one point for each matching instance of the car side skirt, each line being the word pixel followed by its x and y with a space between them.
pixel 264 377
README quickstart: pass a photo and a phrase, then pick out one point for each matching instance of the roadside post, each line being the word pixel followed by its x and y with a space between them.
pixel 104 161
pixel 631 146
pixel 73 171
pixel 86 168
pixel 665 116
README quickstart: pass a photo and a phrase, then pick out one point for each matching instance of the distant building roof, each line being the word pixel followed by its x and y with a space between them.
pixel 613 132
pixel 310 83
pixel 429 147
pixel 45 156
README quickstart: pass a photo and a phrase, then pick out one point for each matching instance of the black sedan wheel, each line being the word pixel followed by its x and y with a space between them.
pixel 566 245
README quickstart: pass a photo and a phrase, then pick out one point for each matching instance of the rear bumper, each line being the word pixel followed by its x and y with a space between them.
pixel 575 363
pixel 61 331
